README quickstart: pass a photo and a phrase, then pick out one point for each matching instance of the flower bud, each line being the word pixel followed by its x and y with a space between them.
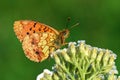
pixel 72 48
pixel 55 77
pixel 106 57
pixel 111 60
pixel 57 60
pixel 93 54
pixel 65 55
pixel 112 76
pixel 99 57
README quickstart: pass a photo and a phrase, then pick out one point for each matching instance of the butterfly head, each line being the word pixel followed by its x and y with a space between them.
pixel 62 36
pixel 64 33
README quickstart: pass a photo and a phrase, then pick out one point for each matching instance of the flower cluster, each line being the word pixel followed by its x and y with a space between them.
pixel 82 62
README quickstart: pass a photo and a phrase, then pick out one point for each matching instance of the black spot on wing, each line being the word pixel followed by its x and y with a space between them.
pixel 34 24
pixel 27 33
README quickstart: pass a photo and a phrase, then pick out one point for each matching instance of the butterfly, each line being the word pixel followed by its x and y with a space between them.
pixel 39 40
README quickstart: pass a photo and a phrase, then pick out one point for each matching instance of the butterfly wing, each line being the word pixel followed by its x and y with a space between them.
pixel 37 39
pixel 38 46
pixel 27 27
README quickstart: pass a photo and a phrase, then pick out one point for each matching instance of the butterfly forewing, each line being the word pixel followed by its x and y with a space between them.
pixel 27 27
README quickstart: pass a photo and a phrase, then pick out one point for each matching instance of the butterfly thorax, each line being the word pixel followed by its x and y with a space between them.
pixel 60 41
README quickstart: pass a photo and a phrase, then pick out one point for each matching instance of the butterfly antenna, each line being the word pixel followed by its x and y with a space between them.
pixel 74 25
pixel 67 23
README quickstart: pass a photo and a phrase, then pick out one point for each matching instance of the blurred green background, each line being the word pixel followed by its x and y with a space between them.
pixel 99 26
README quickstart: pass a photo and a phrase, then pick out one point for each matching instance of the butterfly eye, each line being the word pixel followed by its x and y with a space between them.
pixel 64 33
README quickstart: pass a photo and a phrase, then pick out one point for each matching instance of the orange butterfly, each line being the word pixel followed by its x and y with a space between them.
pixel 39 40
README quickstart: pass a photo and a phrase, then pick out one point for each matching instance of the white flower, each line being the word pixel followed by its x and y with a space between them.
pixel 57 51
pixel 48 72
pixel 80 41
pixel 42 74
pixel 72 43
pixel 113 71
pixel 83 57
